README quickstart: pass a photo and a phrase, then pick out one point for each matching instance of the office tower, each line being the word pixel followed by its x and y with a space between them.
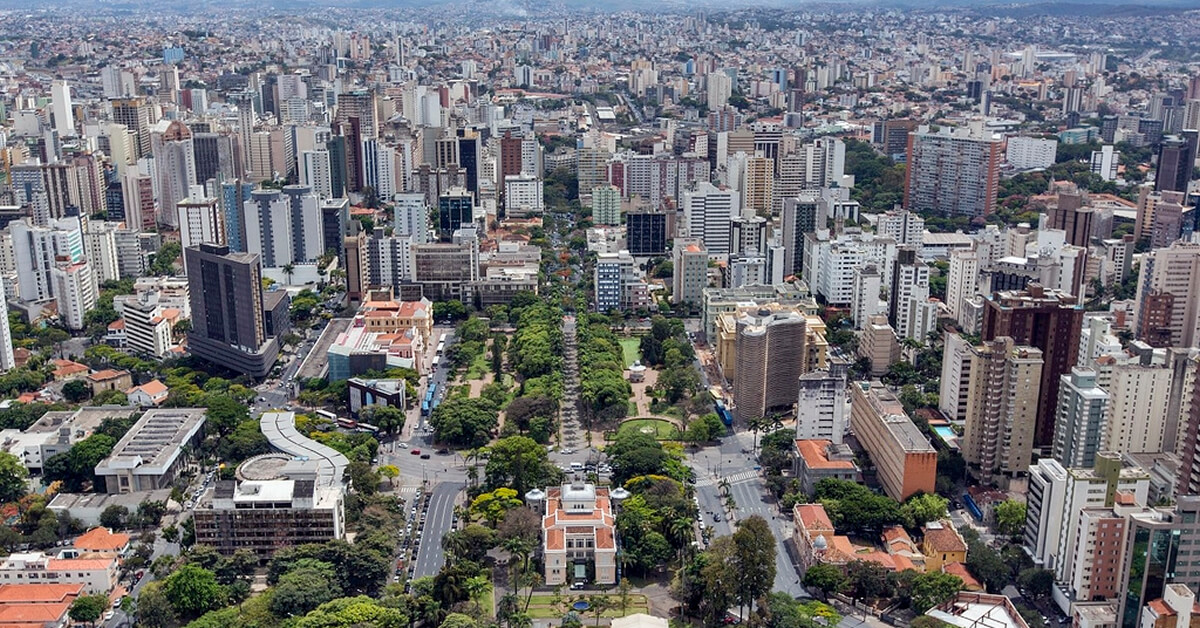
pixel 74 291
pixel 771 357
pixel 411 217
pixel 511 160
pixel 315 172
pixel 64 116
pixel 1044 319
pixel 891 136
pixel 1139 396
pixel 141 212
pixel 962 281
pixel 1079 420
pixel 446 270
pixel 1152 552
pixel 357 264
pixel 38 249
pixel 1029 153
pixel 336 146
pixel 284 227
pixel 952 172
pixel 748 235
pixel 43 189
pixel 1149 204
pixel 213 156
pixel 708 212
pixel 200 220
pixel 908 296
pixel 1001 408
pixel 175 166
pixel 1176 158
pixel 356 122
pixel 234 195
pixel 1167 308
pixel 470 151
pixel 592 169
pixel 800 216
pixel 606 206
pixel 718 89
pixel 757 185
pixel 136 115
pixel 822 405
pixel 335 216
pixel 690 272
pixel 456 209
pixel 646 233
pixel 1105 162
pixel 225 293
pixel 7 361
pixel 617 283
pixel 906 462
pixel 1069 214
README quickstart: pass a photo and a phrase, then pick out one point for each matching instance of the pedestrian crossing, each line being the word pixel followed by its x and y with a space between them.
pixel 736 478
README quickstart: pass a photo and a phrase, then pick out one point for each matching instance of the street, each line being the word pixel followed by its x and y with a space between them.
pixel 438 520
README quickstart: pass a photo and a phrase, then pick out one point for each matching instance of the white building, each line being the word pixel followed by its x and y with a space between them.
pixel 411 217
pixel 719 87
pixel 97 575
pixel 822 408
pixel 1028 153
pixel 284 227
pixel 7 361
pixel 617 283
pixel 39 249
pixel 1138 397
pixel 200 220
pixel 708 212
pixel 903 226
pixel 1105 162
pixel 174 165
pixel 147 332
pixel 866 301
pixel 523 195
pixel 75 291
pixel 379 168
pixel 103 254
pixel 691 271
pixel 1079 421
pixel 962 281
pixel 955 382
pixel 315 172
pixel 60 101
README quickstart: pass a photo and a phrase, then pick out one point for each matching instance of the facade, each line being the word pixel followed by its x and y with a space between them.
pixel 800 216
pixel 771 357
pixel 578 533
pixel 264 516
pixel 523 195
pixel 606 205
pixel 1139 396
pixel 1001 408
pixel 953 172
pixel 905 460
pixel 368 393
pixel 1167 311
pixel 151 453
pixel 618 284
pixel 817 459
pixel 1079 420
pixel 445 269
pixel 708 212
pixel 690 271
pixel 822 406
pixel 97 575
pixel 285 227
pixel 456 209
pixel 228 327
pixel 1029 153
pixel 645 233
pixel 200 220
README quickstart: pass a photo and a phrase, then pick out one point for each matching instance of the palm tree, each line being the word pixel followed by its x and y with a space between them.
pixel 599 604
pixel 756 425
pixel 288 269
pixel 476 587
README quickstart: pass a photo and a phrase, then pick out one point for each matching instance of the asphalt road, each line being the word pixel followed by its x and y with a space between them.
pixel 438 520
pixel 727 462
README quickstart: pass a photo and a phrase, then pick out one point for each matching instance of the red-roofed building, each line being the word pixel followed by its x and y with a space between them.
pixel 960 570
pixel 817 459
pixel 942 545
pixel 97 575
pixel 109 379
pixel 100 539
pixel 66 369
pixel 578 535
pixel 152 393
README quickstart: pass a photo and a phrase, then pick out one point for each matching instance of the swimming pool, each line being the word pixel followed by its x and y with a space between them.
pixel 945 432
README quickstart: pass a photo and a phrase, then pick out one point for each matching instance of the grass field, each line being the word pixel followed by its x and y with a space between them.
pixel 663 430
pixel 544 607
pixel 631 347
pixel 479 366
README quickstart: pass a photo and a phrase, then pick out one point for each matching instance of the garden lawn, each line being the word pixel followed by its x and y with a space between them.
pixel 631 347
pixel 663 430
pixel 543 607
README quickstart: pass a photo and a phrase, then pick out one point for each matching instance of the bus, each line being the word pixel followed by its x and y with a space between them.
pixel 441 345
pixel 347 423
pixel 723 412
pixel 436 359
pixel 424 407
pixel 367 427
pixel 325 414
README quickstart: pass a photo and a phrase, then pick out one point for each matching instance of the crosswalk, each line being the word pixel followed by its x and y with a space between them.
pixel 736 478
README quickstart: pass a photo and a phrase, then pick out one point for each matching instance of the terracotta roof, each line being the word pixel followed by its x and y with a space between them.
pixel 960 570
pixel 813 516
pixel 1160 608
pixel 117 324
pixel 85 564
pixel 107 374
pixel 815 455
pixel 101 540
pixel 32 614
pixel 33 593
pixel 152 388
pixel 604 539
pixel 944 539
pixel 555 540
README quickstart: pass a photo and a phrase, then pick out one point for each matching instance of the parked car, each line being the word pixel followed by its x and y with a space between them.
pixel 415 452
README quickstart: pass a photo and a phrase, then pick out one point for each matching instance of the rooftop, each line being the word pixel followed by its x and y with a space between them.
pixel 280 430
pixel 155 441
pixel 816 455
pixel 101 539
pixel 970 610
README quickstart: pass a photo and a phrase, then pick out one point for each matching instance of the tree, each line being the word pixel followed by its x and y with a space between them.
pixel 825 578
pixel 463 422
pixel 868 580
pixel 753 559
pixel 389 471
pixel 492 506
pixel 153 609
pixel 114 516
pixel 363 478
pixel 387 418
pixel 1036 582
pixel 852 506
pixel 520 463
pixel 12 478
pixel 193 591
pixel 458 620
pixel 1010 517
pixel 304 588
pixel 470 543
pixel 76 390
pixel 923 508
pixel 987 565
pixel 88 608
pixel 932 588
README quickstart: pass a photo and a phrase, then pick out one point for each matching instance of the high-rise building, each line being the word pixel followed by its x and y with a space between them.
pixel 175 167
pixel 606 205
pixel 962 281
pixel 7 361
pixel 1105 162
pixel 456 209
pixel 524 195
pixel 1138 397
pixel 892 136
pixel 708 212
pixel 1001 408
pixel 64 116
pixel 1176 158
pixel 357 265
pixel 690 271
pixel 1079 421
pixel 1069 214
pixel 646 233
pixel 1188 440
pixel 315 172
pixel 74 291
pixel 1047 320
pixel 617 283
pixel 1028 153
pixel 200 220
pixel 1167 309
pixel 411 217
pixel 771 357
pixel 952 172
pixel 284 227
pixel 39 249
pixel 335 215
pixel 136 115
pixel 228 327
pixel 800 216
pixel 757 185
pixel 909 289
pixel 822 406
pixel 1152 553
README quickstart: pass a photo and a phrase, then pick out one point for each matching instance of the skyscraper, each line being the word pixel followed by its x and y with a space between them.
pixel 606 205
pixel 1047 320
pixel 1176 157
pixel 456 209
pixel 771 357
pixel 646 233
pixel 284 227
pixel 800 216
pixel 200 220
pixel 135 114
pixel 1167 309
pixel 175 165
pixel 64 116
pixel 228 329
pixel 708 211
pixel 1001 408
pixel 952 172
pixel 1079 421
pixel 690 271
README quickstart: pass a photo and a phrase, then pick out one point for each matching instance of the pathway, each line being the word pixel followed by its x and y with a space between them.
pixel 569 413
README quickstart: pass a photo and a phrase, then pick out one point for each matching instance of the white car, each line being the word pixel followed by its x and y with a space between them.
pixel 109 615
pixel 403 445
